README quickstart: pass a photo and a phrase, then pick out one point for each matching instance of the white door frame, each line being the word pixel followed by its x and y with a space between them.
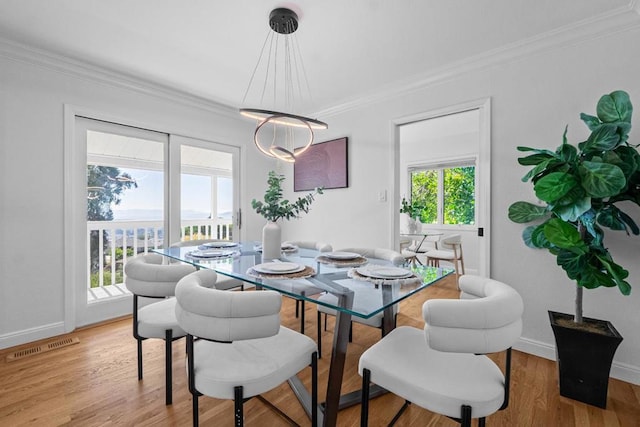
pixel 483 189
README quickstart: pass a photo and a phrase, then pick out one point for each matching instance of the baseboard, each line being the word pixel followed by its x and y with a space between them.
pixel 33 334
pixel 619 371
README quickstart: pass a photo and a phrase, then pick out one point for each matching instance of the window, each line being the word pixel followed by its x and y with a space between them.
pixel 446 192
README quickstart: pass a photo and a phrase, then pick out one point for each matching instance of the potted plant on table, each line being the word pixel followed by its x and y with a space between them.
pixel 413 210
pixel 275 207
pixel 581 188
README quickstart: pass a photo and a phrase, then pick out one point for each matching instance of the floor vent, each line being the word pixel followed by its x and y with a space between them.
pixel 42 348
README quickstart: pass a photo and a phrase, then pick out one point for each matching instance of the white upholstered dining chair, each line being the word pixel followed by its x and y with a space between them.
pixel 147 276
pixel 376 321
pixel 314 245
pixel 443 368
pixel 236 347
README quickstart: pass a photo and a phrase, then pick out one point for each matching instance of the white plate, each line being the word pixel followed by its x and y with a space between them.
pixel 218 245
pixel 384 272
pixel 341 255
pixel 211 253
pixel 278 267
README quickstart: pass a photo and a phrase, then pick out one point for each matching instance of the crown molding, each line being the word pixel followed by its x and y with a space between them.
pixel 84 70
pixel 612 22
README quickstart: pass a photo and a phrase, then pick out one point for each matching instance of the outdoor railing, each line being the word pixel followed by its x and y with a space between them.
pixel 110 243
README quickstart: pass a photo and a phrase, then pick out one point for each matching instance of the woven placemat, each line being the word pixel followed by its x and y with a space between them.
pixel 353 262
pixel 307 272
pixel 411 280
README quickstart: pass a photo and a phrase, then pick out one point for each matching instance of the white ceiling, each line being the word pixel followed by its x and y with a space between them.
pixel 351 48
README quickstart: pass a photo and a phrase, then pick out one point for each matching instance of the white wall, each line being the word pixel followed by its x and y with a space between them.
pixel 32 98
pixel 533 98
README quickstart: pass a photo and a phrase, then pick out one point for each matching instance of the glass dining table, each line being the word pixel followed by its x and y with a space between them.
pixel 355 295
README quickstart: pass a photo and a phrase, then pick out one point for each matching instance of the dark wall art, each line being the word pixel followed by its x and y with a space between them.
pixel 323 165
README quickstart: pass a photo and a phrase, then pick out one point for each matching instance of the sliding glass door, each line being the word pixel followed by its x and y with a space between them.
pixel 140 190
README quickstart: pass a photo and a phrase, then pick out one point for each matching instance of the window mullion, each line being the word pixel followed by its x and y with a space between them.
pixel 440 196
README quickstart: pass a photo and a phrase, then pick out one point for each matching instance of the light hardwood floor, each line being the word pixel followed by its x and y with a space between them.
pixel 94 383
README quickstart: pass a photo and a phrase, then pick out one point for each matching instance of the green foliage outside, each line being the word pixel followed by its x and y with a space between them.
pixel 581 187
pixel 105 188
pixel 275 207
pixel 459 195
pixel 424 191
pixel 95 278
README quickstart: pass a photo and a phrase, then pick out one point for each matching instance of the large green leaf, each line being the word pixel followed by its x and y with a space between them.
pixel 538 239
pixel 629 160
pixel 564 235
pixel 592 122
pixel 533 159
pixel 573 264
pixel 592 277
pixel 602 179
pixel 542 166
pixel 618 274
pixel 604 138
pixel 572 211
pixel 609 217
pixel 554 185
pixel 615 107
pixel 537 150
pixel 630 222
pixel 568 153
pixel 522 212
pixel 526 236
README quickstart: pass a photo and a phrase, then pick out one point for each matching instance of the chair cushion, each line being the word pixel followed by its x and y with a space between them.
pixel 440 254
pixel 154 319
pixel 440 382
pixel 258 365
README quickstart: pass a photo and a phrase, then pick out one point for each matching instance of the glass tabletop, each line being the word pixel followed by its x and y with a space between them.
pixel 370 295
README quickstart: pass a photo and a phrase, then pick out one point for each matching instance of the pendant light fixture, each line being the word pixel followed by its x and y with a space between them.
pixel 279 132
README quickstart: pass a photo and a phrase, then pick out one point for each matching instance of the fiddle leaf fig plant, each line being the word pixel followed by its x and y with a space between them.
pixel 274 207
pixel 580 188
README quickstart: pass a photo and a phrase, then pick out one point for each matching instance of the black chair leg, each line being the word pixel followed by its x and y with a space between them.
pixel 314 389
pixel 482 422
pixel 237 404
pixel 297 308
pixel 168 337
pixel 139 359
pixel 194 400
pixel 319 335
pixel 465 416
pixel 364 404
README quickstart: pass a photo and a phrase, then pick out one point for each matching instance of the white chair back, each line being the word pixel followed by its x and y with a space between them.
pixel 309 244
pixel 225 316
pixel 487 320
pixel 396 258
pixel 449 242
pixel 146 275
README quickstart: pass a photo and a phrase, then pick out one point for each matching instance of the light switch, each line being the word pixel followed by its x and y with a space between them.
pixel 382 195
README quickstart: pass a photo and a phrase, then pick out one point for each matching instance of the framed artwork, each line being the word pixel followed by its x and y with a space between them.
pixel 323 165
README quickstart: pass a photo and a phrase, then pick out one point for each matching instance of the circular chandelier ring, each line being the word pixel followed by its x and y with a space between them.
pixel 278 151
pixel 300 121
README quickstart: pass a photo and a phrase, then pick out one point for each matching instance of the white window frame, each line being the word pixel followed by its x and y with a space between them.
pixel 440 166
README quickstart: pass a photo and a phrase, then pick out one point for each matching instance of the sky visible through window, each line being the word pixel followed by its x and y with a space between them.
pixel 146 201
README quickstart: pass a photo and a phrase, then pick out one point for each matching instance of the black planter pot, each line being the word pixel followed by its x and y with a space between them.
pixel 584 359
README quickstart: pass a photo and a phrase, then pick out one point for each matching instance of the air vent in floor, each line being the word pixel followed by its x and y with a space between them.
pixel 42 348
